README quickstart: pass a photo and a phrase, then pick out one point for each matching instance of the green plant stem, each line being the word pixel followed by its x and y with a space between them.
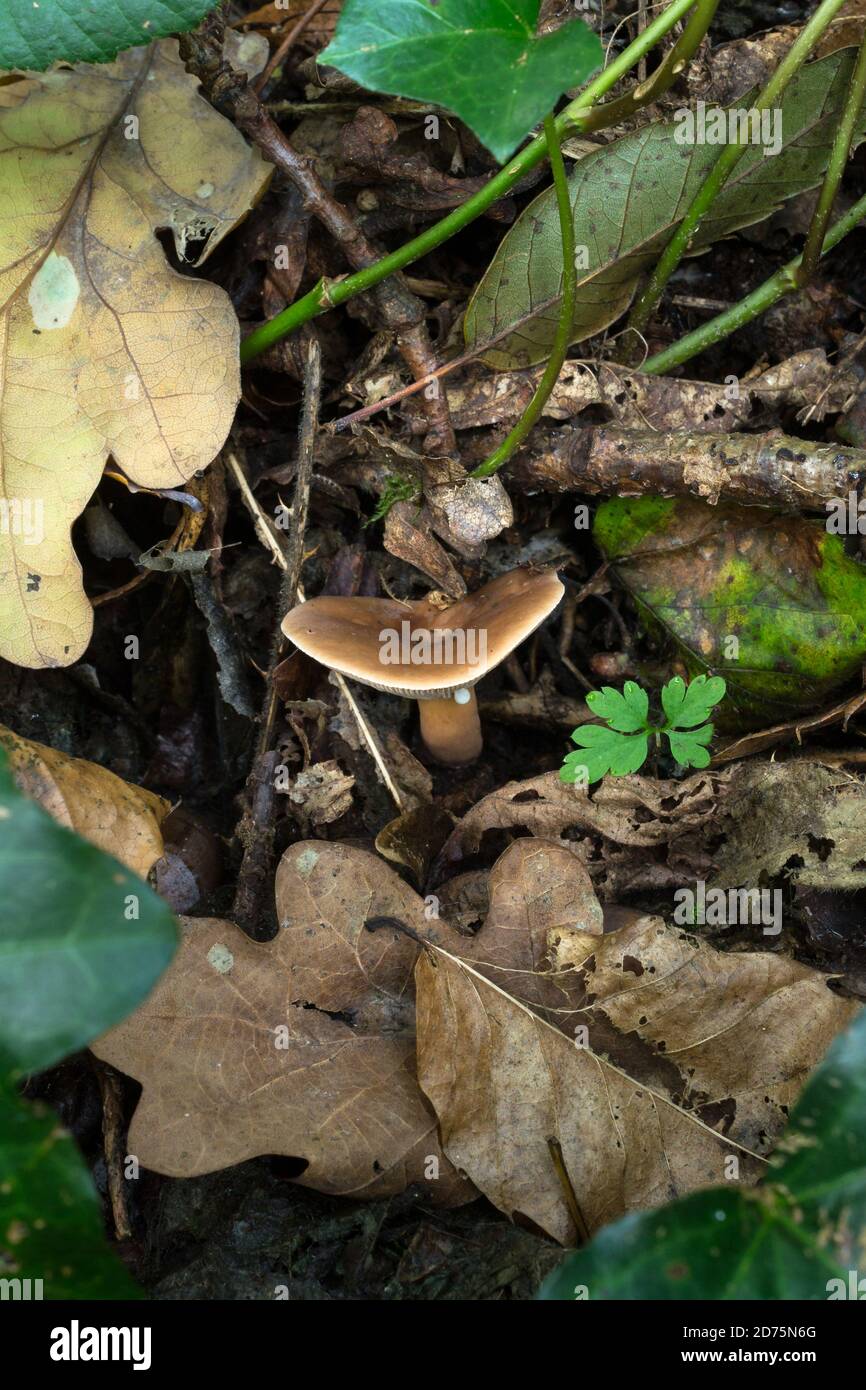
pixel 566 313
pixel 327 294
pixel 725 164
pixel 812 251
pixel 761 299
pixel 668 70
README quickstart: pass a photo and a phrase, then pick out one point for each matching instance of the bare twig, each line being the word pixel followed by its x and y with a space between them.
pixel 291 591
pixel 770 470
pixel 279 54
pixel 256 827
pixel 112 1129
pixel 400 311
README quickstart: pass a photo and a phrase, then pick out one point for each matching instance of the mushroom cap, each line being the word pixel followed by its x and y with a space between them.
pixel 347 634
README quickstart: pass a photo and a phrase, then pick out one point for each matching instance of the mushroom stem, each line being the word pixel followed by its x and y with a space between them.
pixel 451 731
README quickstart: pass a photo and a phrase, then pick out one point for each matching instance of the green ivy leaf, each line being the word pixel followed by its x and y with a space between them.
pixel 690 748
pixel 603 750
pixel 799 1235
pixel 51 1225
pixel 87 31
pixel 481 59
pixel 74 957
pixel 626 710
pixel 82 941
pixel 687 705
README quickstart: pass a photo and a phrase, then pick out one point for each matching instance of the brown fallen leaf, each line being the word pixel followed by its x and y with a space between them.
pixel 636 811
pixel 414 838
pixel 798 819
pixel 670 1067
pixel 302 1046
pixel 122 819
pixel 106 349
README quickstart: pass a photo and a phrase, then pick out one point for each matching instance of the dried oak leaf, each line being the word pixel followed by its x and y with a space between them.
pixel 302 1046
pixel 105 348
pixel 122 819
pixel 664 1060
pixel 635 811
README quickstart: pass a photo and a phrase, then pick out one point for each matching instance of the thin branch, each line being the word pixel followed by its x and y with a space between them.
pixel 279 54
pixel 255 830
pixel 398 309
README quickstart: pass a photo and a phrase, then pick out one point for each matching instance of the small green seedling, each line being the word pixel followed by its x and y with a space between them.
pixel 623 746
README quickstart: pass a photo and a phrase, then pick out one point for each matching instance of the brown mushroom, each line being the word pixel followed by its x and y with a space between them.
pixel 427 653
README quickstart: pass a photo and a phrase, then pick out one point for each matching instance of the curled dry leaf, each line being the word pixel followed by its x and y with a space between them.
pixel 740 825
pixel 407 535
pixel 467 512
pixel 122 819
pixel 637 811
pixel 670 1066
pixel 106 349
pixel 302 1046
pixel 322 793
pixel 414 838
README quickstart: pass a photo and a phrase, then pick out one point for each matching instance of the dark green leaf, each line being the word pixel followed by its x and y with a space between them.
pixel 82 939
pixel 799 1235
pixel 51 1224
pixel 479 58
pixel 87 31
pixel 627 200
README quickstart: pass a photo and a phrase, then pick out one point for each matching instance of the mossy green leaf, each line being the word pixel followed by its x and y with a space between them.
pixel 774 604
